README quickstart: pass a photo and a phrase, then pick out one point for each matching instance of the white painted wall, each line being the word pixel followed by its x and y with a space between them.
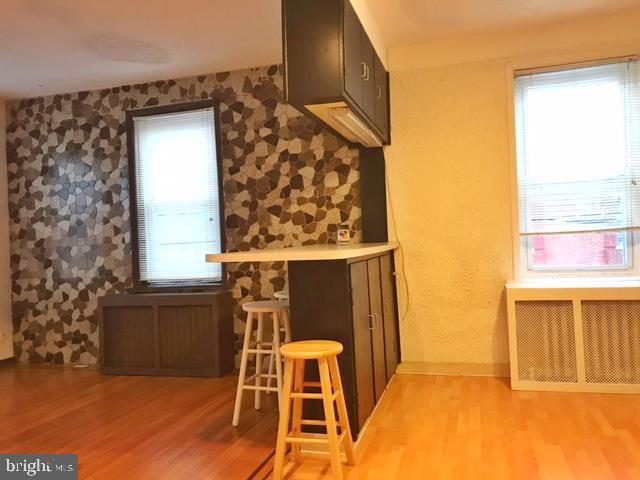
pixel 6 328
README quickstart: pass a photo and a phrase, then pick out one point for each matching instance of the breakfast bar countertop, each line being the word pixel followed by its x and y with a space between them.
pixel 304 253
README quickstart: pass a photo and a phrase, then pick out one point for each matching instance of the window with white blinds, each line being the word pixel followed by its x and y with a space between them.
pixel 578 151
pixel 177 197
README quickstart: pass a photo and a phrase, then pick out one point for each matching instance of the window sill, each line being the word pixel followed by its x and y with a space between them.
pixel 574 283
pixel 177 288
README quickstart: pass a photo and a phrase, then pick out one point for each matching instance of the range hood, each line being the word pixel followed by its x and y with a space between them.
pixel 346 122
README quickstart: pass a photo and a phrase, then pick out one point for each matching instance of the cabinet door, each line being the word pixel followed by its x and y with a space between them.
pixel 381 105
pixel 377 327
pixel 391 339
pixel 362 340
pixel 368 82
pixel 127 335
pixel 354 66
pixel 186 336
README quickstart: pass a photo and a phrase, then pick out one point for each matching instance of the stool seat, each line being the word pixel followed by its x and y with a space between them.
pixel 311 349
pixel 266 306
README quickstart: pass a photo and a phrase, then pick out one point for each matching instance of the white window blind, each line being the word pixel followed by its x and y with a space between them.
pixel 177 196
pixel 578 143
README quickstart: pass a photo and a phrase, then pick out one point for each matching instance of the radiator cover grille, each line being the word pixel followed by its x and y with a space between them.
pixel 580 338
pixel 546 341
pixel 611 335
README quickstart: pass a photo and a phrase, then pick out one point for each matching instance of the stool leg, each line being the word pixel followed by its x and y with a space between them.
pixel 278 358
pixel 330 418
pixel 283 424
pixel 243 368
pixel 342 410
pixel 269 379
pixel 287 339
pixel 287 327
pixel 258 380
pixel 272 358
pixel 296 416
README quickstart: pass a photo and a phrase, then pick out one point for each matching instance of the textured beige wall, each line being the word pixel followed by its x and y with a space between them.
pixel 6 329
pixel 450 188
pixel 450 191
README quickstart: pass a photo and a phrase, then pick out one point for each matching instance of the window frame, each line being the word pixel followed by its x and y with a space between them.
pixel 186 285
pixel 518 66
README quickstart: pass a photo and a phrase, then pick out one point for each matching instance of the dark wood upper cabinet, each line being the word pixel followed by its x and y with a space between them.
pixel 381 85
pixel 332 71
pixel 369 59
pixel 354 66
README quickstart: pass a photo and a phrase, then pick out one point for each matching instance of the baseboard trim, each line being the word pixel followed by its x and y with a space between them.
pixel 454 368
pixel 8 361
pixel 14 363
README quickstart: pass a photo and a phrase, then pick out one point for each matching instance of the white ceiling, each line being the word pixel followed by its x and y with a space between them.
pixel 56 46
pixel 409 22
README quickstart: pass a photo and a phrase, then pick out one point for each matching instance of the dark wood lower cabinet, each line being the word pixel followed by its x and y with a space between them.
pixel 345 300
pixel 179 334
pixel 390 314
pixel 377 327
pixel 362 340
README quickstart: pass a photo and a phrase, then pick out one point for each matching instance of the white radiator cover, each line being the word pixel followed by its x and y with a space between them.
pixel 574 338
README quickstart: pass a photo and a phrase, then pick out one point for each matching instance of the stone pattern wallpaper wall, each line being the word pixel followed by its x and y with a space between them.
pixel 287 181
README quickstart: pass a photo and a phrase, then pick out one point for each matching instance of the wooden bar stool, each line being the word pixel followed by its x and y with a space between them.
pixel 279 312
pixel 293 390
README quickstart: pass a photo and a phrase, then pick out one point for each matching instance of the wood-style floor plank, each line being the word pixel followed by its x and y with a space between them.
pixel 135 427
pixel 435 427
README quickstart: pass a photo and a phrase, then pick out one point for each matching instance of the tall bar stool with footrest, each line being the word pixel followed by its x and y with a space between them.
pixel 325 352
pixel 279 312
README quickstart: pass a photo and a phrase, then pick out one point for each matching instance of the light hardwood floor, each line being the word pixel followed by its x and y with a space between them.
pixel 426 427
pixel 135 427
pixel 431 427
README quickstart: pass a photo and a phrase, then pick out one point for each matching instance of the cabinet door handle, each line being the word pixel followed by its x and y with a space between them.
pixel 387 309
pixel 379 95
pixel 366 78
pixel 364 73
pixel 371 321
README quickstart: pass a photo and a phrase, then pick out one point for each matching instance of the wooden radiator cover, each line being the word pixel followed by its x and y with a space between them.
pixel 174 334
